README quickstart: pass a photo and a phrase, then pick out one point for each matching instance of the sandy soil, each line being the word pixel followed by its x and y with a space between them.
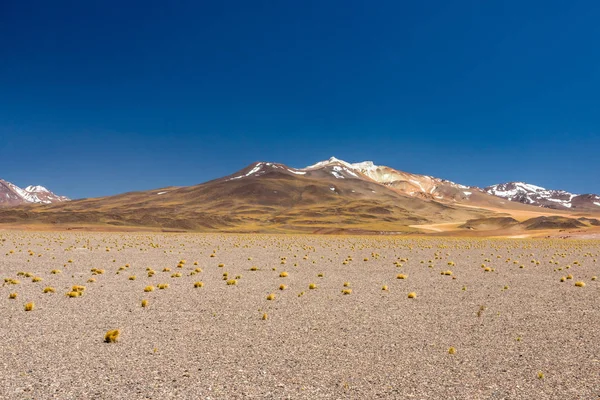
pixel 538 338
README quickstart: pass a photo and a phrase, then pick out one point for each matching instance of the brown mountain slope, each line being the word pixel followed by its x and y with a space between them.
pixel 262 197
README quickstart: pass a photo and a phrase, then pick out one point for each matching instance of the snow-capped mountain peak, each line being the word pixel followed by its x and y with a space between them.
pixel 36 189
pixel 407 183
pixel 11 195
pixel 531 194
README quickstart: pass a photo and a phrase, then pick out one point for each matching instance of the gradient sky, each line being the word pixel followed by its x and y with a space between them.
pixel 103 97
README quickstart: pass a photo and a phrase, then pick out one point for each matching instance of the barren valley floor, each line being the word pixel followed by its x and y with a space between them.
pixel 518 332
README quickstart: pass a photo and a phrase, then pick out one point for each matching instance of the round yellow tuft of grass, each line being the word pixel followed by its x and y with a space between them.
pixel 112 336
pixel 401 276
pixel 580 284
pixel 312 286
pixel 451 350
pixel 271 296
pixel 49 289
pixel 198 284
pixel 283 275
pixel 148 288
pixel 29 306
pixel 412 295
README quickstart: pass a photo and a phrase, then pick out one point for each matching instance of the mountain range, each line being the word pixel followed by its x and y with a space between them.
pixel 331 196
pixel 12 195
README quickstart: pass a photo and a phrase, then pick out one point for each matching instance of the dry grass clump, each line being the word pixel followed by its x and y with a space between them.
pixel 346 291
pixel 594 278
pixel 283 275
pixel 11 281
pixel 312 286
pixel 112 336
pixel 265 316
pixel 569 276
pixel 282 287
pixel 451 350
pixel 12 296
pixel 198 270
pixel 78 288
pixel 49 289
pixel 132 278
pixel 96 271
pixel 384 287
pixel 166 269
pixel 480 311
pixel 580 284
pixel 29 306
pixel 36 279
pixel 162 286
pixel 447 272
pixel 221 265
pixel 231 282
pixel 91 280
pixel 198 284
pixel 253 268
pixel 271 296
pixel 144 303
pixel 412 295
pixel 346 284
pixel 149 288
pixel 401 276
pixel 176 275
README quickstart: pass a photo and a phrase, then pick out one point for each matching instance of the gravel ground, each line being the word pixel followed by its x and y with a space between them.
pixel 536 339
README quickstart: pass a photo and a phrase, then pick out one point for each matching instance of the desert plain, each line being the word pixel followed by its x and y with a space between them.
pixel 485 319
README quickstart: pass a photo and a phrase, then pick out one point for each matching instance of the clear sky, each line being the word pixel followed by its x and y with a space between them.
pixel 103 97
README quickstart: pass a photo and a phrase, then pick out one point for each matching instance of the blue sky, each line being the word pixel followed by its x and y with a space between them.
pixel 103 97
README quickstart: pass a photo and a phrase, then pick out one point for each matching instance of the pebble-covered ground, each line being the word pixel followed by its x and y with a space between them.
pixel 490 319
